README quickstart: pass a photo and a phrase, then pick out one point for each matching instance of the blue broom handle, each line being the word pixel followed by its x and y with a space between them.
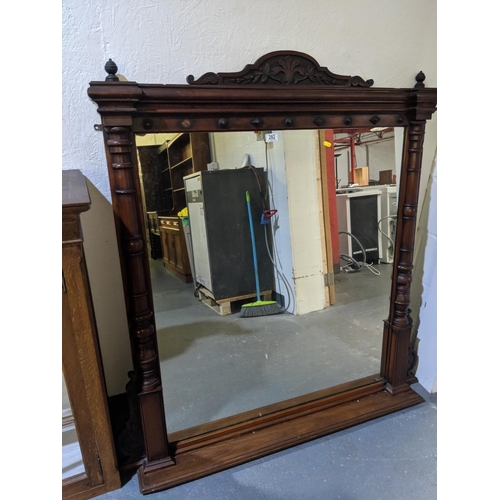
pixel 254 251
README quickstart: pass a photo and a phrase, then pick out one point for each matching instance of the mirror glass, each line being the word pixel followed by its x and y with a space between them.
pixel 323 208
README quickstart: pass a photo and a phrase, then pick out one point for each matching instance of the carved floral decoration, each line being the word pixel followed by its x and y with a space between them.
pixel 285 69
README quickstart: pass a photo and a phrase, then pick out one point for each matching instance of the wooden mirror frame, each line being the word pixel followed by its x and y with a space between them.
pixel 282 90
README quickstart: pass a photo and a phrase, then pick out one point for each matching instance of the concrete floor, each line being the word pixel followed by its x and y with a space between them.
pixel 247 363
pixel 390 458
pixel 244 363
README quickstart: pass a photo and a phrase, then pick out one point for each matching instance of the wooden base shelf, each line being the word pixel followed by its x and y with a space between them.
pixel 301 424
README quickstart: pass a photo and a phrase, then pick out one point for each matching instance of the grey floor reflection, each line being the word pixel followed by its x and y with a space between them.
pixel 216 366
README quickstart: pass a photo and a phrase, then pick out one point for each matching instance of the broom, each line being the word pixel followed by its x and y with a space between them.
pixel 261 307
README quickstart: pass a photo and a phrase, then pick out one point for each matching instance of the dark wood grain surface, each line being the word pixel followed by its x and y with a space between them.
pixel 280 91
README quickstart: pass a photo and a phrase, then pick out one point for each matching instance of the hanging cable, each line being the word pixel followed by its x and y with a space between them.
pixel 266 216
pixel 280 274
pixel 288 288
pixel 376 272
pixel 394 218
pixel 262 194
pixel 267 213
pixel 354 266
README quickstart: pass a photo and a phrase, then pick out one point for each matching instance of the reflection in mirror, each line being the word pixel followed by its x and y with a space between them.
pixel 323 207
pixel 72 460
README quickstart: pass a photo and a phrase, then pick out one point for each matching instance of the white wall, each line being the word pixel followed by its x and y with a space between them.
pixel 163 42
pixel 305 212
pixel 230 148
pixel 424 288
pixel 380 156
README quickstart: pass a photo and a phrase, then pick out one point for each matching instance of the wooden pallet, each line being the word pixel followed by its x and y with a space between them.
pixel 224 307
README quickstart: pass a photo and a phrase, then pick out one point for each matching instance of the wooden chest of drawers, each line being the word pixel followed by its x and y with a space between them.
pixel 174 249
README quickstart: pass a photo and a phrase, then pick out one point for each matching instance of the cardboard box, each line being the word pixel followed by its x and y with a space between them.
pixel 361 176
pixel 385 177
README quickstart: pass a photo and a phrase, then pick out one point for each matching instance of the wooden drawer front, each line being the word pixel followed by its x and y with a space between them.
pixel 172 249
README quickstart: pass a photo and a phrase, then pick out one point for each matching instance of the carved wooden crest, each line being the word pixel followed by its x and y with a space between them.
pixel 281 68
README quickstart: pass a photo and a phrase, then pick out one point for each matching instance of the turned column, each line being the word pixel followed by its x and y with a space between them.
pixel 127 206
pixel 397 329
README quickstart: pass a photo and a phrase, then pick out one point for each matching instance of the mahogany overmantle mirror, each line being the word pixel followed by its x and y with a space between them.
pixel 281 91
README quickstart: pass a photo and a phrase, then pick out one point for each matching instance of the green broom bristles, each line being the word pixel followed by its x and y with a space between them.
pixel 260 308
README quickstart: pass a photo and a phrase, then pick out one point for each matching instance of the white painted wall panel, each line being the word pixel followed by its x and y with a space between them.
pixel 301 156
pixel 424 288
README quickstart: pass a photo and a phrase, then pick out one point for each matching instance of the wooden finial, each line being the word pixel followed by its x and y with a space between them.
pixel 420 81
pixel 111 68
